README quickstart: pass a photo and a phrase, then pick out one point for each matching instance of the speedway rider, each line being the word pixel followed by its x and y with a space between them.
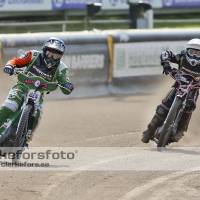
pixel 188 62
pixel 46 64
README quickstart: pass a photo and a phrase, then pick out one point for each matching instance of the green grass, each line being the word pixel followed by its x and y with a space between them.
pixel 178 16
pixel 177 25
pixel 80 27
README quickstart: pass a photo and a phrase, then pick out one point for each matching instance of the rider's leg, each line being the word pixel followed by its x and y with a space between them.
pixel 160 115
pixel 156 121
pixel 5 113
pixel 12 103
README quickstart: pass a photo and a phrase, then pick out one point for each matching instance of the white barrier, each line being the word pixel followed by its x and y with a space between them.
pixel 108 58
pixel 137 52
pixel 142 58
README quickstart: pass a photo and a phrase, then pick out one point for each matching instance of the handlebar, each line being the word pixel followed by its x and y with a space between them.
pixel 186 78
pixel 19 71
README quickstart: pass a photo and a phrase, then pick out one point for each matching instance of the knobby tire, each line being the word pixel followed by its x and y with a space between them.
pixel 164 136
pixel 23 123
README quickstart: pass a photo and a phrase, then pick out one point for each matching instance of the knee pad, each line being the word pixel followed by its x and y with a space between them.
pixel 12 105
pixel 161 111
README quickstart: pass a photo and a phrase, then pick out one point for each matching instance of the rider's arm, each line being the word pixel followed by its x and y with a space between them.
pixel 63 78
pixel 23 60
pixel 169 56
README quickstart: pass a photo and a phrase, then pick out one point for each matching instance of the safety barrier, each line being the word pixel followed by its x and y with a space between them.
pixel 105 62
pixel 86 56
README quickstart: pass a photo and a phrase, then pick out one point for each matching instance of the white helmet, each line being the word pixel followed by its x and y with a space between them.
pixel 193 51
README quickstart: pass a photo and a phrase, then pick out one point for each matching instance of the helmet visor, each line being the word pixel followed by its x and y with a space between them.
pixel 193 52
pixel 55 56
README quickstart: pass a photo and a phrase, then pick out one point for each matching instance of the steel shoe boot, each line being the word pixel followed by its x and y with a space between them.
pixel 152 126
pixel 147 135
pixel 177 137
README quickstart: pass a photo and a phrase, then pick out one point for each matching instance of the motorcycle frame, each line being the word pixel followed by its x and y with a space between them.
pixel 183 92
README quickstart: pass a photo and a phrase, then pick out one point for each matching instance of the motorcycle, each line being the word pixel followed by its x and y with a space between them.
pixel 187 83
pixel 16 132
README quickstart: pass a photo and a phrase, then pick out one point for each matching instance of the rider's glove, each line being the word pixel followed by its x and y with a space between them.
pixel 166 67
pixel 8 70
pixel 68 86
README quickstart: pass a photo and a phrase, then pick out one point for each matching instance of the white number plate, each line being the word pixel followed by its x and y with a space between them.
pixel 34 95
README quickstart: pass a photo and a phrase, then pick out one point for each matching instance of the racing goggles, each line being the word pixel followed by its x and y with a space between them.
pixel 55 56
pixel 193 52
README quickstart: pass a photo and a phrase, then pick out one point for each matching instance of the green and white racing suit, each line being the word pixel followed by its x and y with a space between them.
pixel 35 66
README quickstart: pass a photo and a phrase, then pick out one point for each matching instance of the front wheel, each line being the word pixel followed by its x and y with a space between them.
pixel 20 139
pixel 166 130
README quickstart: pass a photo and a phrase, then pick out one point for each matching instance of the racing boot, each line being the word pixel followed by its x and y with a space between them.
pixel 152 126
pixel 147 135
pixel 177 137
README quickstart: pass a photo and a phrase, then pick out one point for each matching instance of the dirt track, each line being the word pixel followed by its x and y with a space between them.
pixel 114 121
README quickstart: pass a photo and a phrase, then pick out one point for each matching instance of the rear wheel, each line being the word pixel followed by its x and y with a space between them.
pixel 166 131
pixel 20 139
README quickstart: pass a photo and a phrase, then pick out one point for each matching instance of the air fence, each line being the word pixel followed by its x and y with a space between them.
pixel 107 62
